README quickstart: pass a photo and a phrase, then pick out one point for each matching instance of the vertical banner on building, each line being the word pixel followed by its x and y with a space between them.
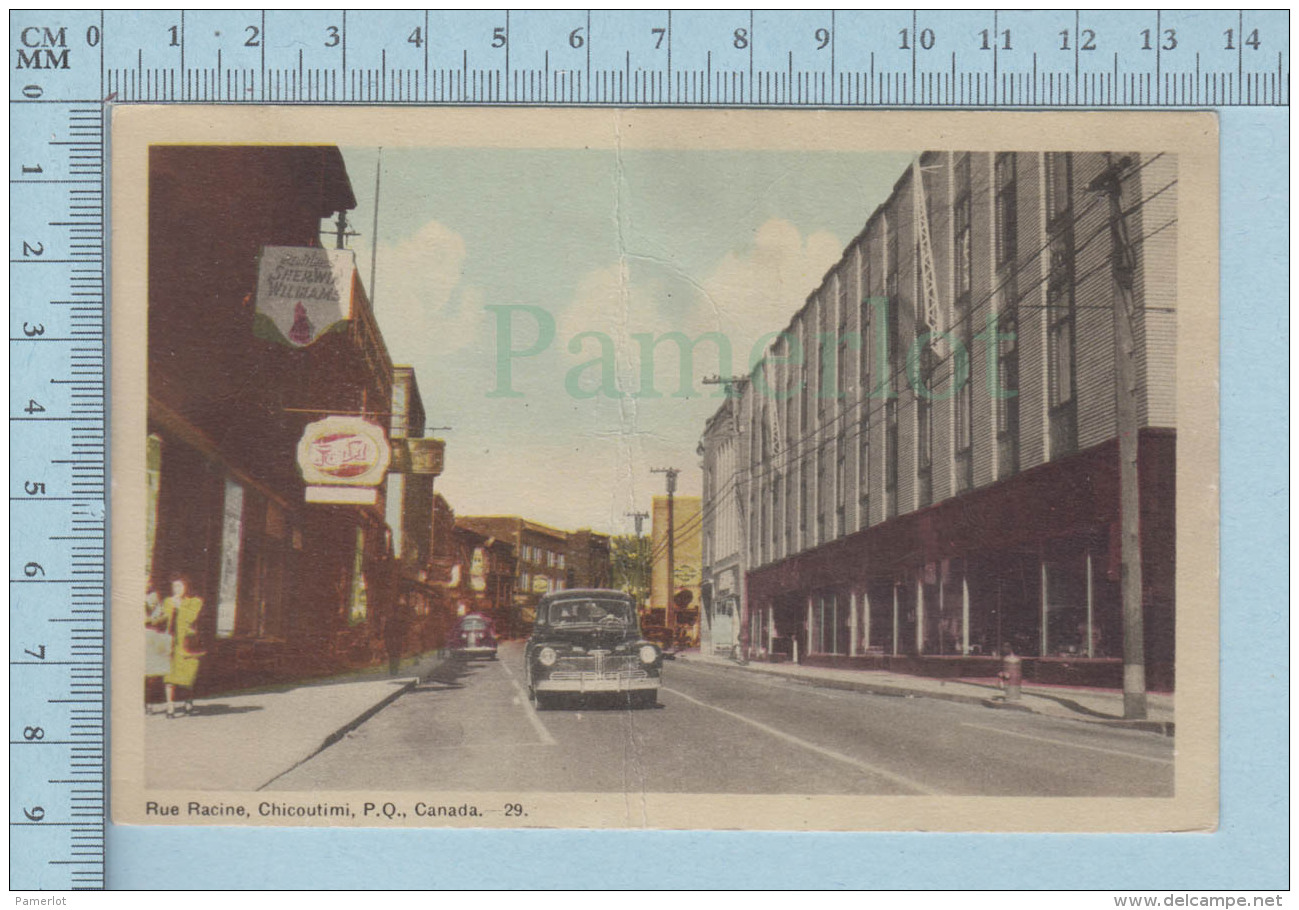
pixel 232 526
pixel 302 293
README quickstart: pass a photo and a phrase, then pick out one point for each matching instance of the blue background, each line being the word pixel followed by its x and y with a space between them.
pixel 1249 851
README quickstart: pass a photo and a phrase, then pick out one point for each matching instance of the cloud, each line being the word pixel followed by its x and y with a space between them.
pixel 421 296
pixel 757 290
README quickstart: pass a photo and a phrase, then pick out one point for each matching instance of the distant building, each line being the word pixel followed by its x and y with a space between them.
pixel 675 601
pixel 590 563
pixel 541 554
pixel 485 576
pixel 899 503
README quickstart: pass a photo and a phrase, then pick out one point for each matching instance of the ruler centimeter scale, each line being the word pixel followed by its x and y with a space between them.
pixel 65 66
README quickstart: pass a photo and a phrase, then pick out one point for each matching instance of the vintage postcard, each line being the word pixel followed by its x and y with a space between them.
pixel 815 470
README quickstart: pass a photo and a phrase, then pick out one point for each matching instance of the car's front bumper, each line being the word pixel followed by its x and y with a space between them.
pixel 477 651
pixel 591 682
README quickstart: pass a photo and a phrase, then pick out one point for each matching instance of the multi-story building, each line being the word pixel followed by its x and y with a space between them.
pixel 285 583
pixel 590 560
pixel 485 579
pixel 541 554
pixel 724 450
pixel 923 471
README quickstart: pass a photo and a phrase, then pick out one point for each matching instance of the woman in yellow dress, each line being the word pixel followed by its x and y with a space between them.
pixel 182 613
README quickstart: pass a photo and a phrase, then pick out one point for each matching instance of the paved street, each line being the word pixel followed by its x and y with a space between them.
pixel 472 727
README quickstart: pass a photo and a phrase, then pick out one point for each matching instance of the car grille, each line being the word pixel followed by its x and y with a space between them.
pixel 599 665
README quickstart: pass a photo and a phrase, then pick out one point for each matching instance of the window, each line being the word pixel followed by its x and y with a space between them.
pixel 1007 391
pixel 1060 305
pixel 1007 228
pixel 804 502
pixel 891 456
pixel 842 344
pixel 777 517
pixel 892 368
pixel 964 398
pixel 825 481
pixel 790 506
pixel 863 325
pixel 961 218
pixel 1006 397
pixel 864 475
pixel 804 399
pixel 840 487
pixel 925 425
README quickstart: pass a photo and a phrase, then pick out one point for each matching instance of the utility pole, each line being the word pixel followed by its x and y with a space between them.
pixel 639 518
pixel 374 236
pixel 342 230
pixel 671 601
pixel 1110 184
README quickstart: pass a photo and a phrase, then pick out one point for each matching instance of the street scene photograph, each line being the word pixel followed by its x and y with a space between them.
pixel 486 470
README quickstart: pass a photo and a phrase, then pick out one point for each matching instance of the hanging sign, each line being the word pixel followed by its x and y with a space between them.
pixel 302 293
pixel 343 460
pixel 417 455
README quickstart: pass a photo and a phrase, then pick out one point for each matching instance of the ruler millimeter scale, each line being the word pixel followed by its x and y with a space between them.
pixel 66 66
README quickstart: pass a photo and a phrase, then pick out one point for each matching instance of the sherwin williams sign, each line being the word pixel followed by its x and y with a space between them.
pixel 343 459
pixel 302 293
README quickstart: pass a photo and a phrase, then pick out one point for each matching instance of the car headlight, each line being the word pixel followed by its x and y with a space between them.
pixel 648 654
pixel 546 657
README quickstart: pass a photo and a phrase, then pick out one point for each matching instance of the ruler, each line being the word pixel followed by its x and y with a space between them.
pixel 67 65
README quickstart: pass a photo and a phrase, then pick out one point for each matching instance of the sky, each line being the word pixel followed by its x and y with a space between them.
pixel 481 250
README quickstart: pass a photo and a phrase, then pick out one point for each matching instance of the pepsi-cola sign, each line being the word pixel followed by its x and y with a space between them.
pixel 343 451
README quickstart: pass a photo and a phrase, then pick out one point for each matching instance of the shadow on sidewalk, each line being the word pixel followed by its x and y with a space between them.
pixel 211 710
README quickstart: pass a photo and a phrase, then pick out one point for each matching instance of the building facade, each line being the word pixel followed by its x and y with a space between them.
pixel 923 472
pixel 590 560
pixel 485 578
pixel 285 584
pixel 675 588
pixel 541 554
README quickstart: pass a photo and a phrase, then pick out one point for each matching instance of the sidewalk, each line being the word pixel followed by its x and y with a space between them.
pixel 243 741
pixel 1101 706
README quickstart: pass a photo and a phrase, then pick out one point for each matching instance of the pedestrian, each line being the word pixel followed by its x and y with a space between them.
pixel 157 646
pixel 181 613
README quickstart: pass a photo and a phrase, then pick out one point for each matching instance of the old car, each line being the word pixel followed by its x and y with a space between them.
pixel 474 636
pixel 588 642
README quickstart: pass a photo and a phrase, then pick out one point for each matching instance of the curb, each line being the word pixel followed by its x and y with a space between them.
pixel 409 683
pixel 1164 728
pixel 346 728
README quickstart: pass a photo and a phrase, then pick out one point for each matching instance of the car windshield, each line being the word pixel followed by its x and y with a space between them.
pixel 581 612
pixel 473 624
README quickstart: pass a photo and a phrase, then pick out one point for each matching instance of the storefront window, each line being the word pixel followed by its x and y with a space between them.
pixel 830 620
pixel 153 482
pixel 358 604
pixel 232 526
pixel 1066 620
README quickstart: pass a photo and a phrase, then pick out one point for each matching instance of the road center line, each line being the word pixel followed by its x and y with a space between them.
pixel 527 707
pixel 813 747
pixel 1062 742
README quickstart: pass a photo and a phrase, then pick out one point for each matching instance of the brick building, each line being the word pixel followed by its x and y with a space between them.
pixel 284 582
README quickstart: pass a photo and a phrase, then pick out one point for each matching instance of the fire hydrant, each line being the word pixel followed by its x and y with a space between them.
pixel 1011 676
